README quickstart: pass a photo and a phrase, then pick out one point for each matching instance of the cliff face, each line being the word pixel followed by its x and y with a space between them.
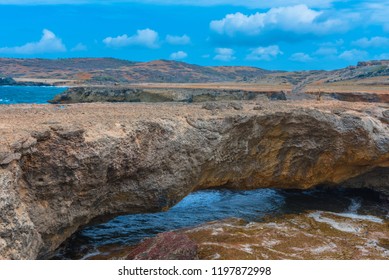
pixel 65 166
pixel 144 94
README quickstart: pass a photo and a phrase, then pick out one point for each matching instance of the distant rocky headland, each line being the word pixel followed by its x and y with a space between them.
pixel 7 81
pixel 162 94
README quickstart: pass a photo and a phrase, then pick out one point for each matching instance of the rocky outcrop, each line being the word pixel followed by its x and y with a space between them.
pixel 315 235
pixel 63 167
pixel 144 94
pixel 6 81
pixel 356 96
pixel 165 246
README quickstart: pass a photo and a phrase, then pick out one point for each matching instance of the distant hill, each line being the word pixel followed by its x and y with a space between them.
pixel 105 71
pixel 110 70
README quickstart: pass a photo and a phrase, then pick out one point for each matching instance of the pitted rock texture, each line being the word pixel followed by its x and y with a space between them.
pixel 63 167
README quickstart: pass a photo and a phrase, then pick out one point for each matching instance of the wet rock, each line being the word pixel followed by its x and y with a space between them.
pixel 165 246
pixel 307 236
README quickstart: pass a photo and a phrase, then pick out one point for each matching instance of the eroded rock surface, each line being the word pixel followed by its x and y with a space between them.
pixel 315 235
pixel 62 167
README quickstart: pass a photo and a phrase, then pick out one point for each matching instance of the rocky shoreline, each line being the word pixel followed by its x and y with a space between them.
pixel 63 167
pixel 315 235
pixel 163 94
pixel 193 95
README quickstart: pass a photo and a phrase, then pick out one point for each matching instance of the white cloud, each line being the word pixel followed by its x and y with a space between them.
pixel 264 53
pixel 353 55
pixel 246 3
pixel 297 19
pixel 376 12
pixel 49 43
pixel 178 40
pixel 144 38
pixel 178 55
pixel 224 54
pixel 301 57
pixel 326 51
pixel 375 42
pixel 239 23
pixel 80 47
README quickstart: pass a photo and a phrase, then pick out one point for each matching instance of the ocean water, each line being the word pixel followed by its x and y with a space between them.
pixel 210 205
pixel 28 94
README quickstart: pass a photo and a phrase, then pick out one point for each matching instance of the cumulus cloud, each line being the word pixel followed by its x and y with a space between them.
pixel 178 40
pixel 80 47
pixel 300 57
pixel 376 12
pixel 224 54
pixel 298 19
pixel 326 51
pixel 353 55
pixel 264 53
pixel 143 38
pixel 49 43
pixel 178 55
pixel 239 23
pixel 375 42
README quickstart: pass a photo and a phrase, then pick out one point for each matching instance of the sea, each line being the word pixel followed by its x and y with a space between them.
pixel 28 94
pixel 212 205
pixel 202 206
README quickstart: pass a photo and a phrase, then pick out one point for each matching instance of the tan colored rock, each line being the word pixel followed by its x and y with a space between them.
pixel 99 160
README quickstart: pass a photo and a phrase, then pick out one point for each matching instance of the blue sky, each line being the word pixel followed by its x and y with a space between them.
pixel 277 34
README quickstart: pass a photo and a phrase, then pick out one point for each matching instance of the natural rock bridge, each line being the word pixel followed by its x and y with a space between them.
pixel 61 167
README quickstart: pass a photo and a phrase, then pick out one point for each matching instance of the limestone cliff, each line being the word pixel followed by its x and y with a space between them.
pixel 63 167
